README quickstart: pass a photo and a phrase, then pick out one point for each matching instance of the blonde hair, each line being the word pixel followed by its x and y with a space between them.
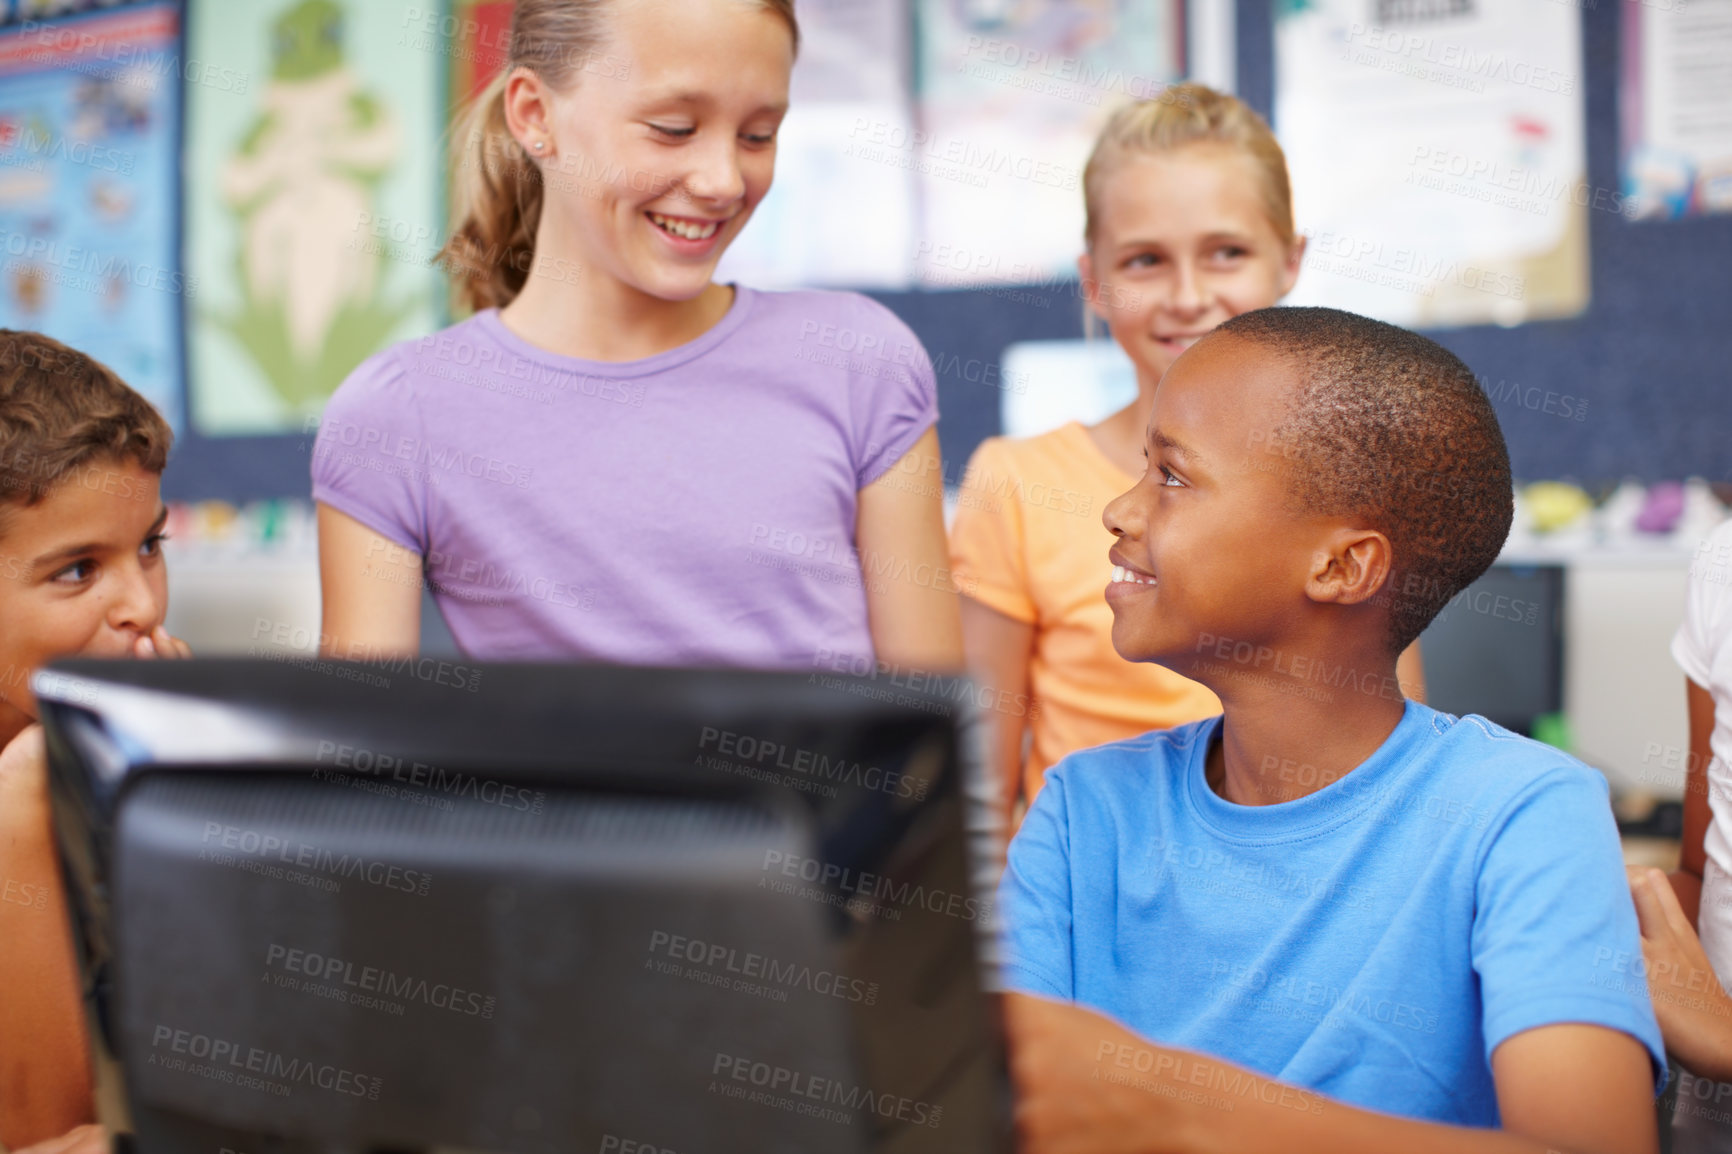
pixel 497 188
pixel 1186 114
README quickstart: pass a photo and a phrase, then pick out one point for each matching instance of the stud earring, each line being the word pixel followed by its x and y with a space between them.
pixel 540 144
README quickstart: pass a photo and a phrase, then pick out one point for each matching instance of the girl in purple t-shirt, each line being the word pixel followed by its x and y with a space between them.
pixel 616 458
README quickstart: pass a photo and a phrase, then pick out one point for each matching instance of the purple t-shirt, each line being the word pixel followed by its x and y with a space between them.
pixel 696 507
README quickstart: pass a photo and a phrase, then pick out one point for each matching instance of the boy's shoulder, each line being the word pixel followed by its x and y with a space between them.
pixel 1471 775
pixel 1443 759
pixel 1472 748
pixel 1132 763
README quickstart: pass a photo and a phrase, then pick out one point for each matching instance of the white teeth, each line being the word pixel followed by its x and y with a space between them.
pixel 1120 573
pixel 690 230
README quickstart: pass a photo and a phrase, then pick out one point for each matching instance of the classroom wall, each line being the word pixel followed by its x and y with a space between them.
pixel 1652 355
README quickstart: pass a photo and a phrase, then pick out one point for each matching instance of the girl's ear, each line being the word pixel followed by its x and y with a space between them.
pixel 528 111
pixel 1290 269
pixel 1091 288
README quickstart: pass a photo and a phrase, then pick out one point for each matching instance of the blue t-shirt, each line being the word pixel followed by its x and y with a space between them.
pixel 1373 941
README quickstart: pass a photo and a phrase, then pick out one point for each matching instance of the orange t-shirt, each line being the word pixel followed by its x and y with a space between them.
pixel 1028 542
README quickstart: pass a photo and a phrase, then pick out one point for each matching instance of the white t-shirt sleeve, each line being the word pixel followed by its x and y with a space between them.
pixel 1707 624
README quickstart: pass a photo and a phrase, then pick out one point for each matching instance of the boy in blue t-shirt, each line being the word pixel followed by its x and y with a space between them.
pixel 1330 906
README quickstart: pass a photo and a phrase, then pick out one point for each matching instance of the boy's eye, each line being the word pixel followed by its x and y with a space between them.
pixel 761 138
pixel 1143 260
pixel 152 546
pixel 75 574
pixel 672 130
pixel 1232 252
pixel 1169 480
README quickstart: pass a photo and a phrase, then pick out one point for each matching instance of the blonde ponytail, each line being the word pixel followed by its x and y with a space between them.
pixel 496 201
pixel 497 188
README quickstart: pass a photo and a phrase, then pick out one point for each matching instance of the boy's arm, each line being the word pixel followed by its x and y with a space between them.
pixel 1687 878
pixel 1035 901
pixel 1087 1085
pixel 44 1067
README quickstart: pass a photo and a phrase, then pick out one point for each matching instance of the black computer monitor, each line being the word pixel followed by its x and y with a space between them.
pixel 1497 648
pixel 538 908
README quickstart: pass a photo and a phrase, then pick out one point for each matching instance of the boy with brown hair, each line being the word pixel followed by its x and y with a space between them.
pixel 81 572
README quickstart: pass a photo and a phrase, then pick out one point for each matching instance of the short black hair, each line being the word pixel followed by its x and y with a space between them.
pixel 1392 427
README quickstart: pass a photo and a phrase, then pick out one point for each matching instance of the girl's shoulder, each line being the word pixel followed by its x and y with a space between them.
pixel 830 317
pixel 1067 447
pixel 398 371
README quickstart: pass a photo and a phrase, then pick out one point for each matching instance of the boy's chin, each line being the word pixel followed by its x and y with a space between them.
pixel 1170 654
pixel 1134 647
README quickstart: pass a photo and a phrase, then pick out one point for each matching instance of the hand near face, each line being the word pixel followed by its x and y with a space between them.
pixel 159 643
pixel 1695 1014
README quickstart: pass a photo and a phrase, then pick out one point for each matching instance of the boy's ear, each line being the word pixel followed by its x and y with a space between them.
pixel 1350 567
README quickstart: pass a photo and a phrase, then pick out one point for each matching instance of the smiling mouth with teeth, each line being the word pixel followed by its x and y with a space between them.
pixel 1120 573
pixel 685 229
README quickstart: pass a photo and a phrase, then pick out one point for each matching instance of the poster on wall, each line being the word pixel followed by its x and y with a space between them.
pixel 41 11
pixel 312 203
pixel 476 35
pixel 1438 159
pixel 1675 91
pixel 87 191
pixel 1012 96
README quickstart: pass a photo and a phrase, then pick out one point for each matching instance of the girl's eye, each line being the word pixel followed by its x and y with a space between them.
pixel 152 546
pixel 1232 252
pixel 673 130
pixel 75 574
pixel 765 138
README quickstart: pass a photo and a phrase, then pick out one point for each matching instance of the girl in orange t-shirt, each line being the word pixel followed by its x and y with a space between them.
pixel 1189 223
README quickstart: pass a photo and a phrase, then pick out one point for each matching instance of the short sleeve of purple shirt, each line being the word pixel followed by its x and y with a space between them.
pixel 692 508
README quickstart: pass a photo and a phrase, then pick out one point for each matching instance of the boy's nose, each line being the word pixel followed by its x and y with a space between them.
pixel 1119 515
pixel 136 608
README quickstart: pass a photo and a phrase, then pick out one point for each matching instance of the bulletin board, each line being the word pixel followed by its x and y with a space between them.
pixel 1648 356
pixel 312 202
pixel 88 191
pixel 1650 353
pixel 1438 161
pixel 1676 104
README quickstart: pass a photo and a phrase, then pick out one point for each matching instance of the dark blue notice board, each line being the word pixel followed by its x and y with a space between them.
pixel 1652 356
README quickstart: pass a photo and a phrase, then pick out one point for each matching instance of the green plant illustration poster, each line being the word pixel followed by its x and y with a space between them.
pixel 312 204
